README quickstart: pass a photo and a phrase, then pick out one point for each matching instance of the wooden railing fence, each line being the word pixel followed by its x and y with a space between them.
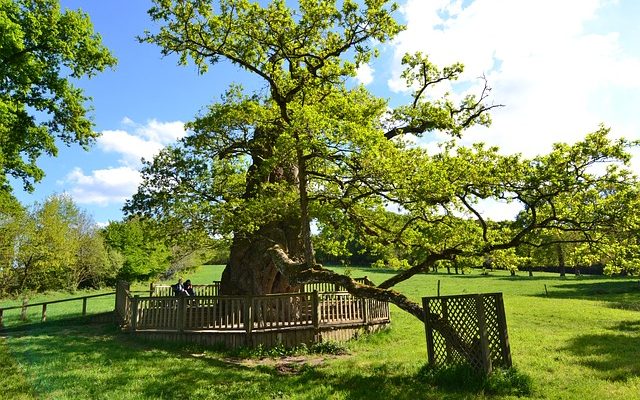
pixel 324 287
pixel 123 302
pixel 214 288
pixel 25 305
pixel 343 308
pixel 200 290
pixel 249 313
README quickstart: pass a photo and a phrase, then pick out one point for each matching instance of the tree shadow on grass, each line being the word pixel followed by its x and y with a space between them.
pixel 386 382
pixel 622 294
pixel 524 277
pixel 100 362
pixel 105 318
pixel 615 356
pixel 80 362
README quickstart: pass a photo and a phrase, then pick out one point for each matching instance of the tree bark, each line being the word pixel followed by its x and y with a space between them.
pixel 250 270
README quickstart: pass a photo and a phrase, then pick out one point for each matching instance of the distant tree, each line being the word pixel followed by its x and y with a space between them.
pixel 144 253
pixel 42 50
pixel 12 218
pixel 53 246
pixel 610 244
pixel 94 265
pixel 50 253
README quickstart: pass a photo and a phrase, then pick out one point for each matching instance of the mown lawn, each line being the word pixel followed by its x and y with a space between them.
pixel 579 341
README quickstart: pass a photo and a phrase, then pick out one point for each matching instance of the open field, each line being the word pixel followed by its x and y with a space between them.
pixel 579 341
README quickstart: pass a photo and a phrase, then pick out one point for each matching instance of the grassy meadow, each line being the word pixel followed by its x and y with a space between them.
pixel 578 340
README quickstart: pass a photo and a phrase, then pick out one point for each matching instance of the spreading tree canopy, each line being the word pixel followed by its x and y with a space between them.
pixel 260 167
pixel 42 50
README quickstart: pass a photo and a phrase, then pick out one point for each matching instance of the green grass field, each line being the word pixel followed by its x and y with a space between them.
pixel 579 341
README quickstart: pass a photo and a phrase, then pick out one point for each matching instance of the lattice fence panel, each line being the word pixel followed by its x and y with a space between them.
pixel 467 329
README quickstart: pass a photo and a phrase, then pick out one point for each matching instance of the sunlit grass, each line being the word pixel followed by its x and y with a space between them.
pixel 579 339
pixel 57 311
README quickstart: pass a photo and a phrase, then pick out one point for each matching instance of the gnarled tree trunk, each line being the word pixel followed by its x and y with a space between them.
pixel 251 270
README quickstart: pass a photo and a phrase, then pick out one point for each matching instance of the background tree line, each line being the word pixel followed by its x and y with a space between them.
pixel 612 251
pixel 54 245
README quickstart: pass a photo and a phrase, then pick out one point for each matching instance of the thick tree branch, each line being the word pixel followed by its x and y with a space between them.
pixel 299 273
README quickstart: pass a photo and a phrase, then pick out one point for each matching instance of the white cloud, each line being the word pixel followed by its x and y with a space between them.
pixel 127 121
pixel 130 147
pixel 554 76
pixel 144 141
pixel 113 185
pixel 364 74
pixel 103 186
pixel 162 132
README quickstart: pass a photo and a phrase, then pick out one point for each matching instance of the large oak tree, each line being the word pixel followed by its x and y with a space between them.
pixel 260 167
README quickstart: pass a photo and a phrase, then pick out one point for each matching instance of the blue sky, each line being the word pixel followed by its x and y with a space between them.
pixel 560 67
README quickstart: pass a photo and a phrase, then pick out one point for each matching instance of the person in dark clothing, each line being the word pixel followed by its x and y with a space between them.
pixel 188 288
pixel 178 288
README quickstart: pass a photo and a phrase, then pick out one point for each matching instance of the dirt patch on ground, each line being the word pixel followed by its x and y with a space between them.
pixel 286 365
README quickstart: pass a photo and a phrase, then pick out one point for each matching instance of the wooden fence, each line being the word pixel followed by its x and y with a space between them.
pixel 257 319
pixel 343 308
pixel 324 287
pixel 43 317
pixel 200 290
pixel 214 288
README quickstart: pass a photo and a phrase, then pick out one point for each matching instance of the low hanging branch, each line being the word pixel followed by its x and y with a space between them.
pixel 298 273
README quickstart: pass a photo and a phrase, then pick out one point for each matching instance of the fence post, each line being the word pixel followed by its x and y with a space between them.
pixel 502 328
pixel 23 312
pixel 134 313
pixel 428 330
pixel 182 305
pixel 151 289
pixel 1 317
pixel 365 310
pixel 484 343
pixel 248 318
pixel 315 318
pixel 84 306
pixel 44 312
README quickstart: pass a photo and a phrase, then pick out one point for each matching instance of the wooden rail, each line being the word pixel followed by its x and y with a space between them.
pixel 324 287
pixel 214 288
pixel 250 313
pixel 25 305
pixel 234 321
pixel 200 290
pixel 343 308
